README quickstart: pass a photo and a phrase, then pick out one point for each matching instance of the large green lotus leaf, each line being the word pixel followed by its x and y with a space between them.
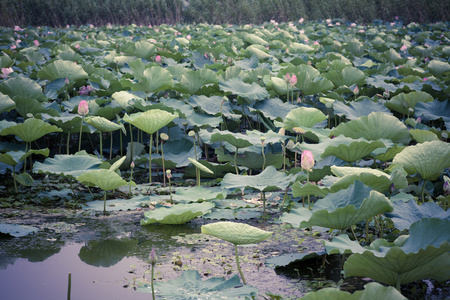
pixel 273 108
pixel 153 80
pixel 104 178
pixel 219 170
pixel 299 48
pixel 299 190
pixel 125 98
pixel 438 67
pixel 23 178
pixel 429 159
pixel 319 148
pixel 197 194
pixel 176 154
pixel 251 160
pixel 255 50
pixel 254 39
pixel 403 102
pixel 25 106
pixel 390 153
pixel 30 130
pixel 102 124
pixel 190 286
pixel 358 109
pixel 406 213
pixel 150 121
pixel 66 120
pixel 354 151
pixel 214 105
pixel 22 86
pixel 250 92
pixel 375 126
pixel 372 291
pixel 201 119
pixel 6 104
pixel 303 117
pixel 141 49
pixel 238 140
pixel 17 230
pixel 176 214
pixel 62 69
pixel 376 179
pixel 248 63
pixel 67 165
pixel 347 77
pixel 106 253
pixel 313 85
pixel 269 179
pixel 11 158
pixel 434 110
pixel 423 135
pixel 192 81
pixel 234 214
pixel 341 209
pixel 424 254
pixel 236 233
pixel 278 85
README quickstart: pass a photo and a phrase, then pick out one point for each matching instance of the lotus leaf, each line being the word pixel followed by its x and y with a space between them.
pixel 192 81
pixel 213 105
pixel 434 110
pixel 177 214
pixel 403 102
pixel 23 179
pixel 429 159
pixel 66 121
pixel 238 140
pixel 106 253
pixel 286 259
pixel 438 67
pixel 358 109
pixel 375 126
pixel 389 153
pixel 23 87
pixel 102 124
pixel 299 190
pixel 341 209
pixel 153 80
pixel 115 205
pixel 407 213
pixel 303 117
pixel 105 179
pixel 200 166
pixel 353 151
pixel 151 120
pixel 236 233
pixel 30 130
pixel 273 108
pixel 141 49
pixel 234 214
pixel 347 77
pixel 247 64
pixel 198 194
pixel 190 286
pixel 251 160
pixel 268 180
pixel 67 165
pixel 17 230
pixel 254 39
pixel 125 99
pixel 299 48
pixel 26 106
pixel 250 92
pixel 423 254
pixel 372 291
pixel 6 104
pixel 423 135
pixel 62 69
pixel 176 154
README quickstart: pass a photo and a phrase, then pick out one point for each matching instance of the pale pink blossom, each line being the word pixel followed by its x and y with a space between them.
pixel 158 59
pixel 6 72
pixel 301 20
pixel 293 80
pixel 77 46
pixel 17 28
pixel 188 37
pixel 36 43
pixel 403 48
pixel 316 43
pixel 83 108
pixel 353 25
pixel 307 160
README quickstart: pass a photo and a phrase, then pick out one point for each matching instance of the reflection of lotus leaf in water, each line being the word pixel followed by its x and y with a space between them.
pixel 106 253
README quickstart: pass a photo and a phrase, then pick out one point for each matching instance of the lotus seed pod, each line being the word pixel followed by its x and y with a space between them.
pixel 164 136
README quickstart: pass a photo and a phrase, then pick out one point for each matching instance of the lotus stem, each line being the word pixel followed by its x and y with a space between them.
pixel 101 145
pixel 150 159
pixel 354 235
pixel 110 146
pixel 14 177
pixel 235 161
pixel 67 145
pixel 81 131
pixel 367 231
pixel 120 138
pixel 69 287
pixel 309 196
pixel 263 197
pixel 238 265
pixel 163 166
pixel 423 191
pixel 152 284
pixel 131 141
pixel 104 204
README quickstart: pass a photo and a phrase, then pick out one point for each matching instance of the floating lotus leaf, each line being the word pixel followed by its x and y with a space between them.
pixel 151 120
pixel 62 69
pixel 192 81
pixel 403 102
pixel 104 178
pixel 429 159
pixel 407 213
pixel 303 117
pixel 286 259
pixel 299 190
pixel 197 194
pixel 250 92
pixel 375 126
pixel 102 124
pixel 106 253
pixel 424 254
pixel 30 130
pixel 341 209
pixel 6 104
pixel 17 230
pixel 190 286
pixel 376 179
pixel 423 135
pixel 67 165
pixel 153 80
pixel 358 109
pixel 353 151
pixel 236 233
pixel 372 291
pixel 234 214
pixel 268 180
pixel 177 214
pixel 347 77
pixel 24 87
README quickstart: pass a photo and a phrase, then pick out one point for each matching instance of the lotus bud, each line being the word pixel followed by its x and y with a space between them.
pixel 185 123
pixel 356 91
pixel 6 72
pixel 386 94
pixel 307 161
pixel 293 80
pixel 153 257
pixel 158 59
pixel 164 136
pixel 191 133
pixel 66 82
pixel 446 186
pixel 419 120
pixel 392 188
pixel 83 108
pixel 169 174
pixel 287 78
pixel 262 140
pixel 132 165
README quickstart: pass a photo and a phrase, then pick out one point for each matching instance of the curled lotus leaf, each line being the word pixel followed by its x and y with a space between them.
pixel 150 121
pixel 104 178
pixel 62 69
pixel 236 233
pixel 176 214
pixel 303 117
pixel 31 129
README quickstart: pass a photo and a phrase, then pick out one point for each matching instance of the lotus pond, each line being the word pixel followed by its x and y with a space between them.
pixel 279 161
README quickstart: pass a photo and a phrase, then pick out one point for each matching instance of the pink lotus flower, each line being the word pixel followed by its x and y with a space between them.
pixel 158 59
pixel 36 43
pixel 316 43
pixel 85 90
pixel 403 48
pixel 301 20
pixel 66 82
pixel 307 161
pixel 293 80
pixel 356 91
pixel 17 28
pixel 188 37
pixel 287 78
pixel 6 72
pixel 83 108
